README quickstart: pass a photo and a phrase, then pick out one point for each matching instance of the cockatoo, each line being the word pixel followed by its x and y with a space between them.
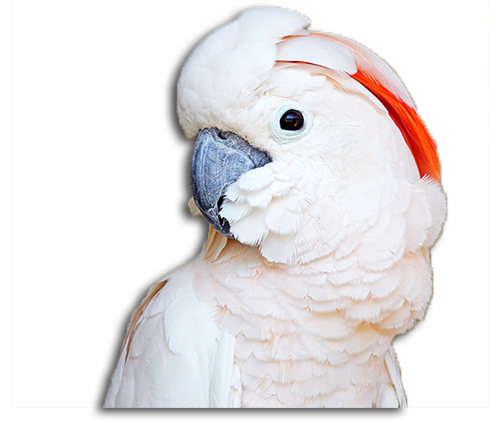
pixel 322 189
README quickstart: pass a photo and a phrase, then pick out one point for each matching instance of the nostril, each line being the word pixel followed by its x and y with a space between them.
pixel 222 135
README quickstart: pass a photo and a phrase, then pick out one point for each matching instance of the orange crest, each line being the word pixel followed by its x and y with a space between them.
pixel 409 123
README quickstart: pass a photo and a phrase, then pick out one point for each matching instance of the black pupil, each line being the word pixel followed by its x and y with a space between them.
pixel 292 120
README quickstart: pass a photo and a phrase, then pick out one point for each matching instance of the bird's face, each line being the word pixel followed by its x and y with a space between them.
pixel 295 153
pixel 297 165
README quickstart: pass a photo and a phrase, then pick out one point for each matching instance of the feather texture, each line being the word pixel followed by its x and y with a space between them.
pixel 329 259
pixel 176 355
pixel 379 79
pixel 319 51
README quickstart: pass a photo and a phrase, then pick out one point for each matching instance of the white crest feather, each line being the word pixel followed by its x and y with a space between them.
pixel 318 51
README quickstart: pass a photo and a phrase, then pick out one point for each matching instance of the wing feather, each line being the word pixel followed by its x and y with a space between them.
pixel 173 355
pixel 398 399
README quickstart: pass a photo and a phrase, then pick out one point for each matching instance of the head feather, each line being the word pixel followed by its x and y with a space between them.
pixel 379 79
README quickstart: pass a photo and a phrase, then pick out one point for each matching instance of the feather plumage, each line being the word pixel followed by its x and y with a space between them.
pixel 330 255
pixel 380 80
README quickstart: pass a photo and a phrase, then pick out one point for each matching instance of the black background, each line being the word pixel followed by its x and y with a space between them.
pixel 102 183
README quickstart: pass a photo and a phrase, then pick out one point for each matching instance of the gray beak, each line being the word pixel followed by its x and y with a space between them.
pixel 219 159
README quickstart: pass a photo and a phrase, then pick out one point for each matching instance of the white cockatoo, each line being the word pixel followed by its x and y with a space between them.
pixel 322 189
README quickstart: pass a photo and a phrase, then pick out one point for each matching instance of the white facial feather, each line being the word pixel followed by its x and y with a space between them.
pixel 340 173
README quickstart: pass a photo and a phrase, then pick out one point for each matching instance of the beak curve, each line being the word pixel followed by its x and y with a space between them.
pixel 219 159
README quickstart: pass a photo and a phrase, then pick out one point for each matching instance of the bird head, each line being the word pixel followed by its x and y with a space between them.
pixel 303 138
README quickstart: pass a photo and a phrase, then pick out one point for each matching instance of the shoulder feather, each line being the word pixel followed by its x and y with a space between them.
pixel 173 355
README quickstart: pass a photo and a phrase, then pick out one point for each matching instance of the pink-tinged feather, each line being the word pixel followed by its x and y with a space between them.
pixel 378 78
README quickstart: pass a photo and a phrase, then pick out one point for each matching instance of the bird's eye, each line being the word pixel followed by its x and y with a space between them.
pixel 292 120
pixel 290 123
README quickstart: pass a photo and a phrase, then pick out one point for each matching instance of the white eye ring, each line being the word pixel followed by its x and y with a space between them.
pixel 282 136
